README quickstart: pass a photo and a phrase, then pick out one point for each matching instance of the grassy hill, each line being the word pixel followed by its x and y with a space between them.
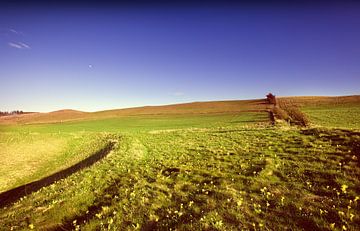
pixel 322 110
pixel 197 166
pixel 196 108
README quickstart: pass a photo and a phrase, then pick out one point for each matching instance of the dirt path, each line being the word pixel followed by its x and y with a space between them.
pixel 15 194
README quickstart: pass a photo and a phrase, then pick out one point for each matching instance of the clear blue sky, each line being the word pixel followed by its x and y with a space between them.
pixel 96 58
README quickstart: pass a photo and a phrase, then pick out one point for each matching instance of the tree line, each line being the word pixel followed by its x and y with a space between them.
pixel 6 113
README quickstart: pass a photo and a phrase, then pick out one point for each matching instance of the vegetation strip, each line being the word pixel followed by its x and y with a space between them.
pixel 15 194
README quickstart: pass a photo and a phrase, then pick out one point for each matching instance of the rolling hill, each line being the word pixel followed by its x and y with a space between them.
pixel 194 108
pixel 197 166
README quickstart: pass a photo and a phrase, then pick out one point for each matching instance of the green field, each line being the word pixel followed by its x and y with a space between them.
pixel 340 116
pixel 30 152
pixel 222 171
pixel 331 112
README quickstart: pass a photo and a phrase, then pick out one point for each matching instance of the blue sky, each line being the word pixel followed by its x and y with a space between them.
pixel 96 58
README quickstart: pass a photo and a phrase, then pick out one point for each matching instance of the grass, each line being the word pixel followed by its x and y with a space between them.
pixel 30 156
pixel 142 123
pixel 331 112
pixel 237 177
pixel 340 116
pixel 218 171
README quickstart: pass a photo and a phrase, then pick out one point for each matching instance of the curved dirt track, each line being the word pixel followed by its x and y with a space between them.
pixel 15 194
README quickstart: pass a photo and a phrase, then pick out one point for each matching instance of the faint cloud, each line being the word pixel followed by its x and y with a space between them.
pixel 24 45
pixel 178 93
pixel 10 32
pixel 15 45
pixel 15 31
pixel 11 35
pixel 19 45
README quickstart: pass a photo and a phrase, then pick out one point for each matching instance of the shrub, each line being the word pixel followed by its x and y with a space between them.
pixel 295 115
pixel 298 116
pixel 281 114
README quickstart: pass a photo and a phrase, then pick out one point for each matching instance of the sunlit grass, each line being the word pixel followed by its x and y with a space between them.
pixel 26 157
pixel 208 172
pixel 224 178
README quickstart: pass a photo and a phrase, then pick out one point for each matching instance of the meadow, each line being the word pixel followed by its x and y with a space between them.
pixel 331 112
pixel 340 116
pixel 211 171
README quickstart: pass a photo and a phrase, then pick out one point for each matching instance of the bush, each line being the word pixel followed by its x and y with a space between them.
pixel 281 114
pixel 298 116
pixel 293 112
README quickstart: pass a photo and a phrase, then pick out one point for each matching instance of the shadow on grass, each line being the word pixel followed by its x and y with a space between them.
pixel 15 194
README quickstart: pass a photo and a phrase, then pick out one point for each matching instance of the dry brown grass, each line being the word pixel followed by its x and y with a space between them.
pixel 291 112
pixel 189 108
pixel 51 117
pixel 281 114
pixel 302 101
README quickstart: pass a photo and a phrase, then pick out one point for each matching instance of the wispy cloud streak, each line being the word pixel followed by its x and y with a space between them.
pixel 19 45
pixel 24 45
pixel 15 31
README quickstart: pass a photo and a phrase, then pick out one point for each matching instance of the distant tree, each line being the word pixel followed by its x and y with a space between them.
pixel 271 98
pixel 6 113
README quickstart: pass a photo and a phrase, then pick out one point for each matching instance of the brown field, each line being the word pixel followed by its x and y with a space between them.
pixel 51 117
pixel 306 101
